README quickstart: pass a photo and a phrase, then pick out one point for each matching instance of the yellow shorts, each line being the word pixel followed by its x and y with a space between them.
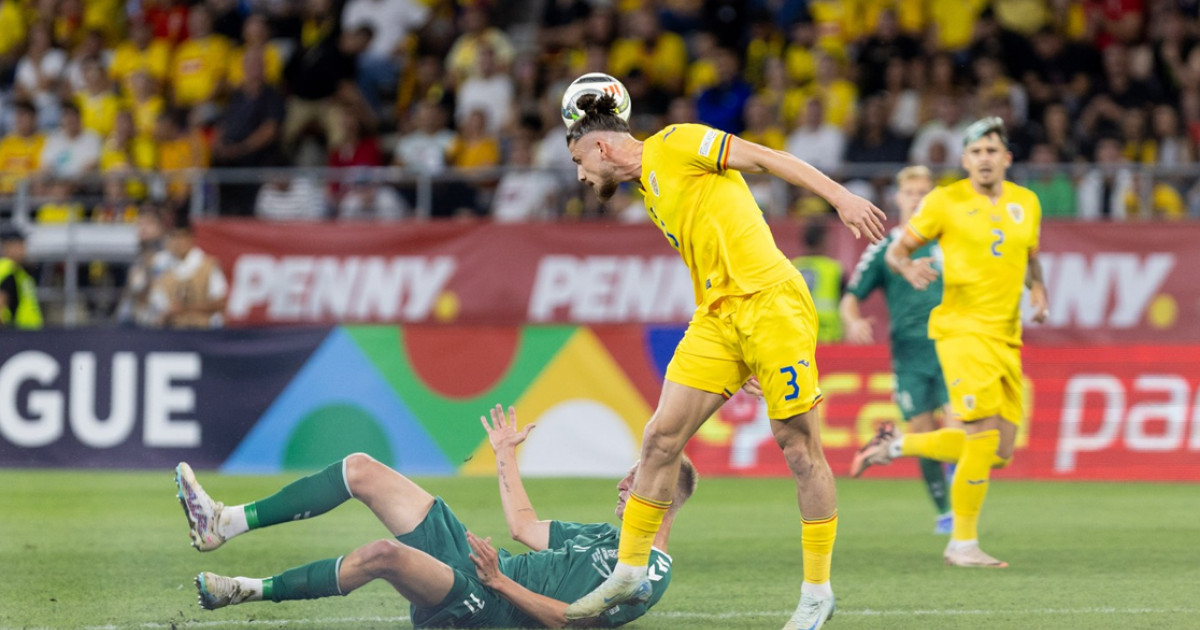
pixel 983 377
pixel 771 334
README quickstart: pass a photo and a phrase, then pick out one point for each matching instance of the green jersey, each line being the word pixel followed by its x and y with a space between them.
pixel 908 308
pixel 578 558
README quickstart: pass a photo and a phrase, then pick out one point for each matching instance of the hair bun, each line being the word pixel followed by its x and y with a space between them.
pixel 594 104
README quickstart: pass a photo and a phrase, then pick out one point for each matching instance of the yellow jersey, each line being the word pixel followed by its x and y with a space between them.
pixel 986 251
pixel 128 59
pixel 199 69
pixel 19 156
pixel 708 214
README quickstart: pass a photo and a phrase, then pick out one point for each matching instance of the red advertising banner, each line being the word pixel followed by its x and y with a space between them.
pixel 1107 282
pixel 1100 412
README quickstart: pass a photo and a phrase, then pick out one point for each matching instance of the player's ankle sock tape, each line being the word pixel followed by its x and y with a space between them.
pixel 640 524
pixel 313 580
pixel 971 481
pixel 935 482
pixel 816 542
pixel 944 445
pixel 303 498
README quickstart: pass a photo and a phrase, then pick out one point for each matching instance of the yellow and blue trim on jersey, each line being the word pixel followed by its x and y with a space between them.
pixel 723 153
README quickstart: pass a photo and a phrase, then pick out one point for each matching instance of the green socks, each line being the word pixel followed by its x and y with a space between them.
pixel 313 580
pixel 935 482
pixel 304 498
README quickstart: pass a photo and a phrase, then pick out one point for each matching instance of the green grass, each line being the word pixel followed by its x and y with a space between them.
pixel 110 549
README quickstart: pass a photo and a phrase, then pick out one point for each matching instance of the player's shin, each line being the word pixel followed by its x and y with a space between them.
pixel 643 517
pixel 971 482
pixel 816 543
pixel 310 581
pixel 304 498
pixel 943 445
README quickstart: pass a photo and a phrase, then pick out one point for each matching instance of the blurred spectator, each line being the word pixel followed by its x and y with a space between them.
pixel 839 97
pixel 248 133
pixel 355 149
pixel 67 17
pixel 144 103
pixel 426 149
pixel 1058 133
pixel 524 194
pixel 128 156
pixel 465 58
pixel 319 73
pixel 953 22
pixel 91 50
pixel 1103 190
pixel 427 82
pixel 473 149
pixel 902 99
pixel 816 141
pixel 662 55
pixel 168 19
pixel 371 201
pixel 39 72
pixel 873 141
pixel 198 69
pixel 390 22
pixel 721 105
pixel 140 53
pixel 945 130
pixel 1171 146
pixel 489 90
pixel 1139 146
pixel 20 151
pixel 1060 71
pixel 290 199
pixel 885 44
pixel 192 292
pixel 761 126
pixel 116 206
pixel 1054 188
pixel 179 149
pixel 152 261
pixel 562 23
pixel 13 30
pixel 1112 22
pixel 992 83
pixel 18 292
pixel 256 39
pixel 60 205
pixel 97 103
pixel 70 151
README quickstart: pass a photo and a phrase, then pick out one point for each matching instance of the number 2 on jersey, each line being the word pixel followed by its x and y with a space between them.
pixel 999 234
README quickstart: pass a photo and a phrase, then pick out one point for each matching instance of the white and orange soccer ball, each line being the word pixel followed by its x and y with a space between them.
pixel 596 83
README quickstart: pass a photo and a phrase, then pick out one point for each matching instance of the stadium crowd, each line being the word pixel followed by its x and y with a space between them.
pixel 106 104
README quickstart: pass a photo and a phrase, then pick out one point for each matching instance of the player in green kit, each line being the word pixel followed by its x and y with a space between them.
pixel 920 387
pixel 451 578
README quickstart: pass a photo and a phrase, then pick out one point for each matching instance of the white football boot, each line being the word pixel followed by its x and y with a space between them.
pixel 970 556
pixel 202 512
pixel 218 591
pixel 812 613
pixel 611 592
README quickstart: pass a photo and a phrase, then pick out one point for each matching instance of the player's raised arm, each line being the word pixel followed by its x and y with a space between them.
pixel 523 523
pixel 860 215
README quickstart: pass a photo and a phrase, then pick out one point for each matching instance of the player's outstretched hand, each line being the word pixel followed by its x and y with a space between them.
pixel 753 387
pixel 502 430
pixel 487 561
pixel 861 216
pixel 920 274
pixel 860 332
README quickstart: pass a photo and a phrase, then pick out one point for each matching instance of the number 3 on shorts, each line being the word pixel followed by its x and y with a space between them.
pixel 790 371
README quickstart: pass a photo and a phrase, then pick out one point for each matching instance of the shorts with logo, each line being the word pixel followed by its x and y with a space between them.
pixel 469 604
pixel 920 387
pixel 983 376
pixel 771 334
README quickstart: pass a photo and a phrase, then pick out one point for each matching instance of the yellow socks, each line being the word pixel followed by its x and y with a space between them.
pixel 639 526
pixel 971 483
pixel 944 445
pixel 816 541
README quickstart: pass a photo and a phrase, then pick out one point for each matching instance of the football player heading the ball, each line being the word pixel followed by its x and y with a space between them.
pixel 754 317
pixel 451 578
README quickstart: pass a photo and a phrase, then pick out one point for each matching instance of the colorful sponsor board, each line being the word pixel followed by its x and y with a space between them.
pixel 1108 283
pixel 264 400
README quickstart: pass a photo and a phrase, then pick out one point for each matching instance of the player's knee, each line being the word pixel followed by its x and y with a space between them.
pixel 359 469
pixel 382 557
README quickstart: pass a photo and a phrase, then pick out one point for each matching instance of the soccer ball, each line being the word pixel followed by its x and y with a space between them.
pixel 596 83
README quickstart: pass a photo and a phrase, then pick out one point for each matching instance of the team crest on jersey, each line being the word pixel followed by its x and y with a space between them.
pixel 1016 212
pixel 654 184
pixel 969 402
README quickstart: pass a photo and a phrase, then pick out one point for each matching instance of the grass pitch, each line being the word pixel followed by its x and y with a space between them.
pixel 96 550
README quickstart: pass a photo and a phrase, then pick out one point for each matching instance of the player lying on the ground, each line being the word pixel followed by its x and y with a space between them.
pixel 450 577
pixel 920 388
